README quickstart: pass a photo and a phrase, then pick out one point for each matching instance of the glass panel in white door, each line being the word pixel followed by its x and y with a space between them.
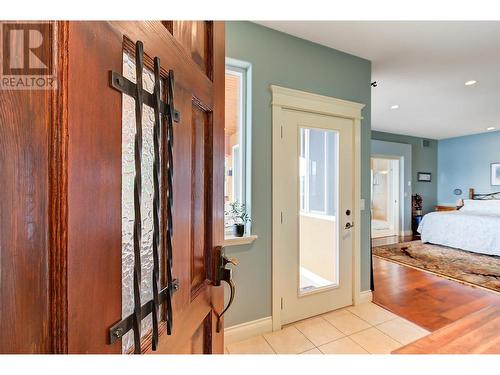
pixel 318 225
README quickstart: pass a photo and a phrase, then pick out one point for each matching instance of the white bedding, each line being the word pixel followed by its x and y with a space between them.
pixel 476 227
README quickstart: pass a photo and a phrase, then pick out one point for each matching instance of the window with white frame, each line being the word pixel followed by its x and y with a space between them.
pixel 237 133
pixel 318 171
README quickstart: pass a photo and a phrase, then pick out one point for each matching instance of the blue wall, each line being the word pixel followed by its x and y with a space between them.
pixel 464 162
pixel 284 60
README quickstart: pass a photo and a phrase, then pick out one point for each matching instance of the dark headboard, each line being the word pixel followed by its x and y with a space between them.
pixel 483 197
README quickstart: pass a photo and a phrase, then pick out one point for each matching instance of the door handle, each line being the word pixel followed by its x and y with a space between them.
pixel 224 274
pixel 348 225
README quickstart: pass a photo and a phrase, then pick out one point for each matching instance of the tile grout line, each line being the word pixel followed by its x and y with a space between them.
pixel 386 334
pixel 316 346
pixel 349 313
pixel 305 338
pixel 383 333
pixel 408 321
pixel 373 325
pixel 344 335
pixel 347 335
pixel 354 333
pixel 268 343
pixel 300 332
pixel 378 329
pixel 395 339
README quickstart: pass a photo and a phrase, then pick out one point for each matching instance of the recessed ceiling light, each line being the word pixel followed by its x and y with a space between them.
pixel 395 106
pixel 491 128
pixel 471 82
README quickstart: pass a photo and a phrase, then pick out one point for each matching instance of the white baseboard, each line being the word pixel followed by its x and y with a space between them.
pixel 365 296
pixel 247 330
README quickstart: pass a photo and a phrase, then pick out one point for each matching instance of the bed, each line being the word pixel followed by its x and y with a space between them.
pixel 474 227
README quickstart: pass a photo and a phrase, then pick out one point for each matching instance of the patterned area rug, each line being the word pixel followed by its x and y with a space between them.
pixel 471 268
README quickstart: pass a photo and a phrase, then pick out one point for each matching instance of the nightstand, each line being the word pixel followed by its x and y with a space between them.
pixel 445 208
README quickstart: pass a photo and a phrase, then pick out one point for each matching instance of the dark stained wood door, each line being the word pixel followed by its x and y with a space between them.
pixel 78 257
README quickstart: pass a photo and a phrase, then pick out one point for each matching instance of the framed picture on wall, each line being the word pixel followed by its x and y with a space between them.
pixel 495 174
pixel 424 176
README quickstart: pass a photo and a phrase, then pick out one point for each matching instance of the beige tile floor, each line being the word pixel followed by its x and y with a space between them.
pixel 362 329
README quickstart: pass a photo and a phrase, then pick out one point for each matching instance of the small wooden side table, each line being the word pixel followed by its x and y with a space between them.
pixel 445 208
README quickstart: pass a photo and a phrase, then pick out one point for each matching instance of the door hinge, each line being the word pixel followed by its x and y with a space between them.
pixel 281 131
pixel 282 303
pixel 281 217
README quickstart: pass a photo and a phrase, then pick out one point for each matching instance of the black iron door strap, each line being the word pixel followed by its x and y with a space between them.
pixel 164 113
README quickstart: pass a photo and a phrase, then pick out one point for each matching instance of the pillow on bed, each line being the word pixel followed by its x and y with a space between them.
pixel 486 206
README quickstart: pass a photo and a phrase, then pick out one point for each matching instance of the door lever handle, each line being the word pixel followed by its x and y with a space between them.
pixel 226 260
pixel 348 225
pixel 224 274
pixel 231 299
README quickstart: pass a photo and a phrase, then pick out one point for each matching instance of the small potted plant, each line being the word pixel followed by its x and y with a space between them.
pixel 238 215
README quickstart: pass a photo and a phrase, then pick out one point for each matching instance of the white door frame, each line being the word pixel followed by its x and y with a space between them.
pixel 401 189
pixel 395 195
pixel 285 98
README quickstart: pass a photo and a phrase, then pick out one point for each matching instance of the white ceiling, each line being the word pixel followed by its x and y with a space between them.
pixel 420 66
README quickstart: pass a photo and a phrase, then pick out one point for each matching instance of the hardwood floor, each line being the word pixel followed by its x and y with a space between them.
pixel 478 333
pixel 429 301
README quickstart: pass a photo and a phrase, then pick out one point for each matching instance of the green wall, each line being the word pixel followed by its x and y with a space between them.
pixel 424 159
pixel 284 60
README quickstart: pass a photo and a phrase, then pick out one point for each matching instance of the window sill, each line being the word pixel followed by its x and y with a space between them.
pixel 247 239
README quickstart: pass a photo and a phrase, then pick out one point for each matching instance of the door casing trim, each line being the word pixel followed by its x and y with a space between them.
pixel 285 98
pixel 401 191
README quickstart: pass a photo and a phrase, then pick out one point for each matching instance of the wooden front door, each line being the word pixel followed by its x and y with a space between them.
pixel 82 263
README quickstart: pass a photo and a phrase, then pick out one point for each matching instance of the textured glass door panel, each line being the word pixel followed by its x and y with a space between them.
pixel 128 173
pixel 318 198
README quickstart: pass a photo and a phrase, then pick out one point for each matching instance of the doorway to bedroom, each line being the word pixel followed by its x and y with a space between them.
pixel 385 193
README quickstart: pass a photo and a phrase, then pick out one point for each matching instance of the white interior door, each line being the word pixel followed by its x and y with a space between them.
pixel 385 197
pixel 315 169
pixel 395 194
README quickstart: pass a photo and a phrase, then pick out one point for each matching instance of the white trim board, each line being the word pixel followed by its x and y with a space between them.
pixel 401 189
pixel 244 68
pixel 285 98
pixel 306 101
pixel 247 330
pixel 364 297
